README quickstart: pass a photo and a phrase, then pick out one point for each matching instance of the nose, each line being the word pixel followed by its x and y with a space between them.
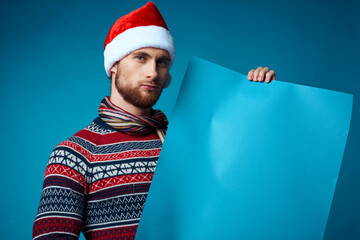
pixel 151 70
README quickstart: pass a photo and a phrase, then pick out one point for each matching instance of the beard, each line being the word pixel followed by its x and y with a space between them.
pixel 134 94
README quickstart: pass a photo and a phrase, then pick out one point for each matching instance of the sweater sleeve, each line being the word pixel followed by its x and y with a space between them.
pixel 61 209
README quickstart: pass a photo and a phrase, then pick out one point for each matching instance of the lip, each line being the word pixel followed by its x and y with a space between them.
pixel 149 87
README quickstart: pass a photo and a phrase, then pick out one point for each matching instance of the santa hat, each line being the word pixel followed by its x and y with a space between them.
pixel 144 27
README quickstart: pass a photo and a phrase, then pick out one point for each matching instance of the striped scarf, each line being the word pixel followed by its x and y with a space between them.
pixel 132 124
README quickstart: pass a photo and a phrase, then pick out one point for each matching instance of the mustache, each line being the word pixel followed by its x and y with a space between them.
pixel 150 83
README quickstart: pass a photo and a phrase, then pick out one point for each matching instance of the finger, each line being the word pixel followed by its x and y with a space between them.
pixel 256 74
pixel 262 74
pixel 269 76
pixel 251 74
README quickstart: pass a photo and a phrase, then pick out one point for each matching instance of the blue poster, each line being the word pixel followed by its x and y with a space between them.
pixel 246 160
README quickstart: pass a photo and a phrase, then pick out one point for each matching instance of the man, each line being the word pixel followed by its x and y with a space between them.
pixel 97 180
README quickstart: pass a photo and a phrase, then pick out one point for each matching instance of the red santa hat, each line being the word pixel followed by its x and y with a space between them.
pixel 144 27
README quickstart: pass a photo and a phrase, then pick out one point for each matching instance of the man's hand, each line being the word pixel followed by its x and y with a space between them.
pixel 261 74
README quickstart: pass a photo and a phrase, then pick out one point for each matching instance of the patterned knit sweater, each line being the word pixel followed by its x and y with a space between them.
pixel 97 182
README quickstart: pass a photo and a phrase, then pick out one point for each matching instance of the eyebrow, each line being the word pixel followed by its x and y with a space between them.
pixel 147 55
pixel 141 53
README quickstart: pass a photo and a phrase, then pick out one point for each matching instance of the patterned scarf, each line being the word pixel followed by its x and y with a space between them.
pixel 132 124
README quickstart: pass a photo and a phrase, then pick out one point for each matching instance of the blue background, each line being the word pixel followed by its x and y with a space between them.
pixel 53 79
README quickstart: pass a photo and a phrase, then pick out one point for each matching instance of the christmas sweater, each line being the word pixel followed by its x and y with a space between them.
pixel 96 182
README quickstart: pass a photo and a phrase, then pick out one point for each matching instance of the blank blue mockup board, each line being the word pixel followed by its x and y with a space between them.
pixel 246 160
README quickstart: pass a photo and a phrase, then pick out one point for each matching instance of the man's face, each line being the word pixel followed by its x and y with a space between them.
pixel 141 75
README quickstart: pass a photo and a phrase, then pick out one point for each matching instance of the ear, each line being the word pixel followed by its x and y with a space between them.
pixel 168 80
pixel 113 69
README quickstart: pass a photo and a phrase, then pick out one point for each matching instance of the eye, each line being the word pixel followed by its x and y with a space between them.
pixel 163 62
pixel 140 58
